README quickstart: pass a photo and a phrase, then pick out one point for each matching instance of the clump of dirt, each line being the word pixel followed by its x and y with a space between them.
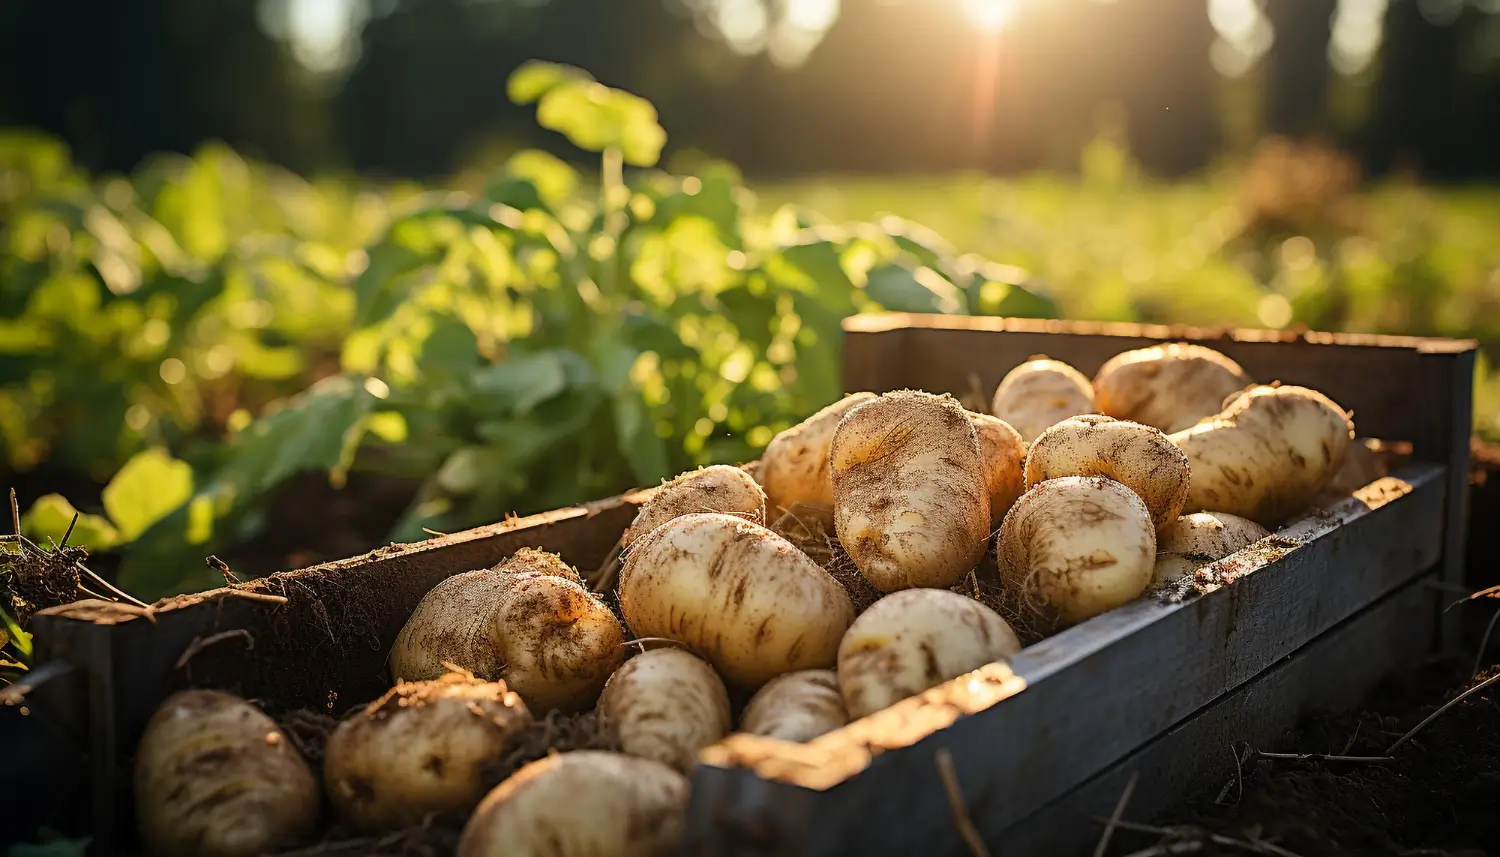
pixel 555 733
pixel 1437 795
pixel 32 579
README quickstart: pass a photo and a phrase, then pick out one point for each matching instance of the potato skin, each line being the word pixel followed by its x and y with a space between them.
pixel 588 803
pixel 718 488
pixel 910 641
pixel 1138 456
pixel 1041 393
pixel 666 705
pixel 419 749
pixel 1364 462
pixel 215 777
pixel 797 706
pixel 1075 547
pixel 528 621
pixel 738 594
pixel 1267 455
pixel 1198 539
pixel 1169 386
pixel 1003 456
pixel 794 467
pixel 910 502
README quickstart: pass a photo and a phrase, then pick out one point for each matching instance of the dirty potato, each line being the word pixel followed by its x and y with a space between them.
pixel 719 488
pixel 1074 547
pixel 588 803
pixel 1267 455
pixel 794 467
pixel 797 706
pixel 665 705
pixel 910 501
pixel 1138 456
pixel 1039 394
pixel 529 621
pixel 215 777
pixel 1195 540
pixel 910 641
pixel 419 749
pixel 743 597
pixel 1169 386
pixel 1003 456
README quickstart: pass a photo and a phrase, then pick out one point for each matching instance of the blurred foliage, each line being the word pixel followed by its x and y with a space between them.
pixel 195 335
pixel 201 331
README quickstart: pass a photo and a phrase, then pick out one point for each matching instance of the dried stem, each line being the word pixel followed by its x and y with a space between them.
pixel 966 827
pixel 1484 643
pixel 1436 714
pixel 1114 818
pixel 200 643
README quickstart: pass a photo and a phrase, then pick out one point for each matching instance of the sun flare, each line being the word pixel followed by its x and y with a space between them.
pixel 991 15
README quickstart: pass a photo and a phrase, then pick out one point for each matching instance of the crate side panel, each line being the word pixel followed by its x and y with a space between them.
pixel 1102 689
pixel 1334 673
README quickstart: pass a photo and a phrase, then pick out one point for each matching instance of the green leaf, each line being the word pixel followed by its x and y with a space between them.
pixel 752 314
pixel 49 518
pixel 149 486
pixel 638 441
pixel 536 78
pixel 647 333
pixel 595 117
pixel 18 638
pixel 820 262
pixel 520 383
pixel 450 348
pixel 923 290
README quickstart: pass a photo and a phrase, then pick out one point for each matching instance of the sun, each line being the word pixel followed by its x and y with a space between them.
pixel 991 15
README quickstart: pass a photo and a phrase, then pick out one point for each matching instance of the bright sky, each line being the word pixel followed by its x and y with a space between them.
pixel 322 32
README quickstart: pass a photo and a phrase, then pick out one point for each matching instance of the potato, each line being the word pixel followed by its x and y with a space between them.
pixel 1364 462
pixel 588 803
pixel 419 749
pixel 1267 455
pixel 797 706
pixel 1170 386
pixel 1003 456
pixel 1041 393
pixel 910 502
pixel 529 621
pixel 214 777
pixel 665 705
pixel 1137 456
pixel 738 594
pixel 1074 547
pixel 719 488
pixel 910 641
pixel 1198 539
pixel 794 467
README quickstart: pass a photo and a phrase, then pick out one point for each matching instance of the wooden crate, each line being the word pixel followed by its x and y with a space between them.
pixel 1152 687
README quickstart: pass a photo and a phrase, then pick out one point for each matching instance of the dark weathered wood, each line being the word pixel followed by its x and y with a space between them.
pixel 1333 673
pixel 1084 698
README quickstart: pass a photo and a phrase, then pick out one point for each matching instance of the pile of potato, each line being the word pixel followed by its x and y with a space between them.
pixel 1088 495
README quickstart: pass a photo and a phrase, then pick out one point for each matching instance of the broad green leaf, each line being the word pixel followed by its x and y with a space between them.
pixel 922 290
pixel 19 640
pixel 554 180
pixel 595 117
pixel 308 433
pixel 450 348
pixel 819 261
pixel 514 191
pixel 752 314
pixel 536 78
pixel 49 518
pixel 520 383
pixel 648 333
pixel 638 441
pixel 149 486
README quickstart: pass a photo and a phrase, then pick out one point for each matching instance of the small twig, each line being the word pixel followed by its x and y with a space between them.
pixel 431 532
pixel 1238 781
pixel 1114 818
pixel 1349 745
pixel 1259 845
pixel 1484 643
pixel 1189 847
pixel 1436 714
pixel 966 827
pixel 71 524
pixel 257 596
pixel 610 568
pixel 120 593
pixel 1320 757
pixel 15 514
pixel 223 569
pixel 92 594
pixel 15 692
pixel 200 643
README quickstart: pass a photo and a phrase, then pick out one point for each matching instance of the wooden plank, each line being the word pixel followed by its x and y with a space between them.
pixel 1078 702
pixel 1334 673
